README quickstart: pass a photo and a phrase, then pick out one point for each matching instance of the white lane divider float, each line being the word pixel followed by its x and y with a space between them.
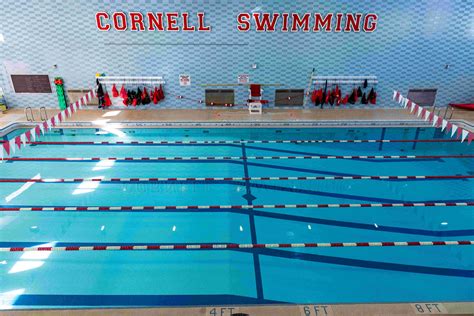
pixel 143 159
pixel 222 207
pixel 240 246
pixel 125 180
pixel 222 142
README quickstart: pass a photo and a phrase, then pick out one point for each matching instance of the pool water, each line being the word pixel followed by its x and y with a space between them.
pixel 243 276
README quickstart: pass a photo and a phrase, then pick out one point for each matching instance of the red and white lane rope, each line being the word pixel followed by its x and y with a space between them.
pixel 125 180
pixel 242 246
pixel 233 158
pixel 210 142
pixel 222 207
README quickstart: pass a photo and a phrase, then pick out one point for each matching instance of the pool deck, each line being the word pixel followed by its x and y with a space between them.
pixel 229 115
pixel 436 308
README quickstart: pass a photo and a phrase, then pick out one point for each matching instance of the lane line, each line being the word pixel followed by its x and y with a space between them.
pixel 180 179
pixel 224 207
pixel 219 158
pixel 217 142
pixel 240 246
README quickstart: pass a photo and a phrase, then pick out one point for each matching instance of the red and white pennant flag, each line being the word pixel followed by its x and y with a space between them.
pixel 435 120
pixel 8 147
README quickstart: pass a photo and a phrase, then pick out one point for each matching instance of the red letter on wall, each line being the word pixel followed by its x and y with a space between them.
pixel 136 18
pixel 201 26
pixel 352 23
pixel 264 24
pixel 370 22
pixel 186 26
pixel 300 22
pixel 155 20
pixel 171 19
pixel 243 22
pixel 98 19
pixel 120 21
pixel 324 23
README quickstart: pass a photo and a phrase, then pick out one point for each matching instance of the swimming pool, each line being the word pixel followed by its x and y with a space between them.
pixel 255 174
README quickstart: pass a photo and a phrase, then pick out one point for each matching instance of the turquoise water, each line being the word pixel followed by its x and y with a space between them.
pixel 158 278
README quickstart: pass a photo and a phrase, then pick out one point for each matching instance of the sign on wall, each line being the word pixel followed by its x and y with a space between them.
pixel 243 79
pixel 184 80
pixel 31 83
pixel 261 22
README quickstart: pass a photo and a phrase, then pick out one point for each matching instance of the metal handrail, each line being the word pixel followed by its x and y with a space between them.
pixel 45 118
pixel 32 119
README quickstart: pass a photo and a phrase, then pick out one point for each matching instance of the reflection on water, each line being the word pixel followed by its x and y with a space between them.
pixel 22 189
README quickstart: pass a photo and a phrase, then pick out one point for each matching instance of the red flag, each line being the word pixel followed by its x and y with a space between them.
pixel 158 96
pixel 161 92
pixel 28 135
pixel 82 101
pixel 470 137
pixel 37 130
pixel 6 146
pixel 60 117
pixel 115 92
pixel 18 141
pixel 155 96
pixel 123 93
pixel 416 109
pixel 337 92
pixel 87 97
pixel 448 127
pixel 345 100
pixel 314 94
pixel 423 112
pixel 107 101
pixel 430 118
pixel 45 125
pixel 459 132
pixel 439 122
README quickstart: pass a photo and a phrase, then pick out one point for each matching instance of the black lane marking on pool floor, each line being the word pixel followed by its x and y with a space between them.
pixel 291 253
pixel 369 264
pixel 253 230
pixel 137 300
pixel 340 223
pixel 350 197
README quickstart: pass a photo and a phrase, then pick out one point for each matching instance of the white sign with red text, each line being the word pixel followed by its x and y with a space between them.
pixel 184 80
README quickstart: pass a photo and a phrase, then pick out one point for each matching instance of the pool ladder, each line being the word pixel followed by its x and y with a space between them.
pixel 29 114
pixel 41 111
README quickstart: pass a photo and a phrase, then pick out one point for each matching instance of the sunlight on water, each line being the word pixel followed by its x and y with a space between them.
pixel 22 189
pixel 103 164
pixel 114 131
pixel 8 299
pixel 87 186
pixel 31 260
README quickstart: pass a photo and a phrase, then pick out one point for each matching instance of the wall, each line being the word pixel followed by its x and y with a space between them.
pixel 410 48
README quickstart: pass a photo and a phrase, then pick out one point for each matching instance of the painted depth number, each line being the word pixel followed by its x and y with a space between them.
pixel 315 310
pixel 429 308
pixel 222 311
